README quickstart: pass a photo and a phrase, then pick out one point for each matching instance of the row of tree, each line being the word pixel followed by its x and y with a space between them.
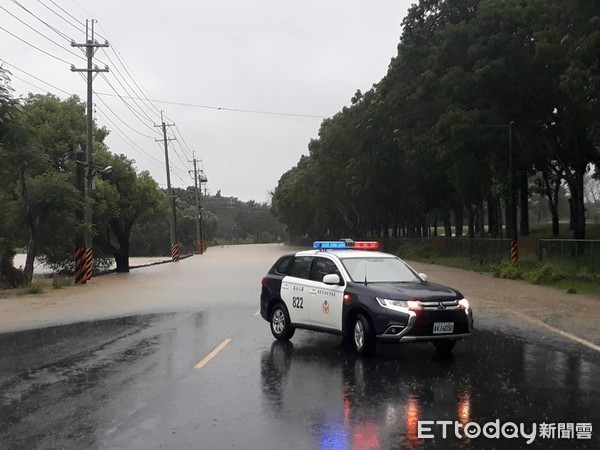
pixel 429 143
pixel 40 137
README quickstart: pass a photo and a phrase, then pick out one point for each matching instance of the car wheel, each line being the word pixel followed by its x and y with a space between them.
pixel 363 336
pixel 280 323
pixel 444 346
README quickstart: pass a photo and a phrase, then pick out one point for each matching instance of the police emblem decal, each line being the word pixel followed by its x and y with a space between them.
pixel 325 307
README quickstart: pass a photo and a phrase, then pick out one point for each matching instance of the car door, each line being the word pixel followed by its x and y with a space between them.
pixel 324 301
pixel 294 289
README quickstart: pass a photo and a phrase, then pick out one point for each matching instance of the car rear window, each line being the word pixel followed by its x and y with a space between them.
pixel 282 265
pixel 300 267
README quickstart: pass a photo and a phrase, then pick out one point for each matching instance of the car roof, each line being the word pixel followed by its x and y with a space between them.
pixel 346 253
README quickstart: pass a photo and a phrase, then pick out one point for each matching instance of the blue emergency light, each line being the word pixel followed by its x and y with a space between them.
pixel 362 245
pixel 329 244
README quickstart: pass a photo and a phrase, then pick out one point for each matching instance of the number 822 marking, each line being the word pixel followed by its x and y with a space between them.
pixel 298 302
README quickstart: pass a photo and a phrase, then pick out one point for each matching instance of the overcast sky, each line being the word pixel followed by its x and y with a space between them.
pixel 303 59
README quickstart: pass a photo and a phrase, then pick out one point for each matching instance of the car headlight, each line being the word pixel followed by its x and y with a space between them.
pixel 464 303
pixel 399 304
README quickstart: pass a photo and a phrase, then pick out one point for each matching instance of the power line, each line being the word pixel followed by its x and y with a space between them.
pixel 81 26
pixel 57 31
pixel 125 123
pixel 116 52
pixel 220 108
pixel 69 14
pixel 127 139
pixel 124 88
pixel 41 34
pixel 31 45
pixel 126 104
pixel 34 77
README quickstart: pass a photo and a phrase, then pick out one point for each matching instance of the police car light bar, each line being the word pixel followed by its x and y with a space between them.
pixel 329 244
pixel 359 245
pixel 367 245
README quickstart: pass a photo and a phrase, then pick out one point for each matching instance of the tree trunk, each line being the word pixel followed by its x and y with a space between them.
pixel 447 225
pixel 34 229
pixel 493 218
pixel 578 204
pixel 470 221
pixel 552 196
pixel 458 222
pixel 524 204
pixel 122 259
pixel 32 249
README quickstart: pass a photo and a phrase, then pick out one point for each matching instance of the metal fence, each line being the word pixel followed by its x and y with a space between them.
pixel 480 250
pixel 576 253
pixel 580 254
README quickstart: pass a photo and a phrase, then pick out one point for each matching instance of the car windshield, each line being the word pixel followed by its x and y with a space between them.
pixel 378 270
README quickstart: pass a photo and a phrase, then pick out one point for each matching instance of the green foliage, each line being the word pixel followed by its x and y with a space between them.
pixel 421 251
pixel 545 274
pixel 430 139
pixel 508 271
pixel 59 282
pixel 32 289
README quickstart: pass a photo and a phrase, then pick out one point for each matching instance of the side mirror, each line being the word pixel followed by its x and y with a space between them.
pixel 332 278
pixel 423 276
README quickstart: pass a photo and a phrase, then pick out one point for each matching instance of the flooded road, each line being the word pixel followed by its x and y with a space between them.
pixel 135 381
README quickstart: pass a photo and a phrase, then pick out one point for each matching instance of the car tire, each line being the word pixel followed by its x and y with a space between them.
pixel 444 346
pixel 280 323
pixel 363 336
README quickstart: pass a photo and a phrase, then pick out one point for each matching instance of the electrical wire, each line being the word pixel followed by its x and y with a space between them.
pixel 42 34
pixel 221 108
pixel 35 78
pixel 126 104
pixel 81 26
pixel 60 33
pixel 122 121
pixel 67 12
pixel 127 139
pixel 116 69
pixel 37 48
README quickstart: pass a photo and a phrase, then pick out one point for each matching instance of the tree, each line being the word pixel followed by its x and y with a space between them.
pixel 123 198
pixel 39 150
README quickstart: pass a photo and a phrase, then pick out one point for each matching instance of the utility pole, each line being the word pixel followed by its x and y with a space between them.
pixel 198 234
pixel 199 178
pixel 84 256
pixel 170 197
pixel 514 245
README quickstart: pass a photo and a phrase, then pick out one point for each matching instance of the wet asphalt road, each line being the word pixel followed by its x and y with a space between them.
pixel 131 382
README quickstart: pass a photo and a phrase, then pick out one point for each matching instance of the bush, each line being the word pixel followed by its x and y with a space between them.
pixel 545 274
pixel 61 282
pixel 32 289
pixel 585 275
pixel 508 271
pixel 422 250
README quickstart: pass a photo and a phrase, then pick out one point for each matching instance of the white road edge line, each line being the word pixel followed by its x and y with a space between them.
pixel 559 331
pixel 212 354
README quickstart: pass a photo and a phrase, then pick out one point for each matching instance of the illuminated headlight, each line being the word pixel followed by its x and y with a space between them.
pixel 464 303
pixel 399 305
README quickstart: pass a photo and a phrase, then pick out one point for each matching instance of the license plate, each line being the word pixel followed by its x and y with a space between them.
pixel 443 327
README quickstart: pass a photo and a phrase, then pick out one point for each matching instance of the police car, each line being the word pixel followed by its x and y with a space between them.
pixel 351 289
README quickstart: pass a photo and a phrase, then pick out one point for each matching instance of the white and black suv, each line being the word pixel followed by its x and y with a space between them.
pixel 346 288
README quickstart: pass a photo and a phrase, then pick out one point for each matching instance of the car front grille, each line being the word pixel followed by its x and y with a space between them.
pixel 441 305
